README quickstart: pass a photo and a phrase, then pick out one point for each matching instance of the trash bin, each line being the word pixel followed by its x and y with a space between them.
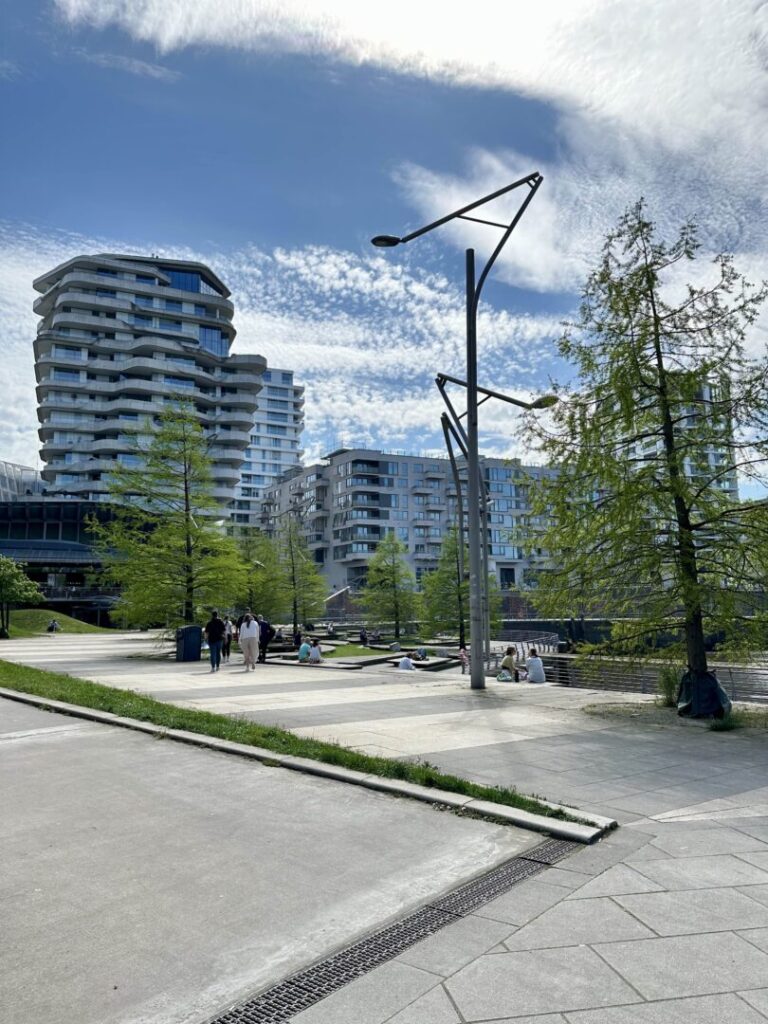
pixel 189 640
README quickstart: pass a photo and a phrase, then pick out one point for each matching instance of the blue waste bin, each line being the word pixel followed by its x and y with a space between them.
pixel 189 641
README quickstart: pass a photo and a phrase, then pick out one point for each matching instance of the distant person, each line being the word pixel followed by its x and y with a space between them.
pixel 363 637
pixel 266 633
pixel 297 639
pixel 53 627
pixel 464 659
pixel 226 643
pixel 375 637
pixel 249 640
pixel 214 631
pixel 406 664
pixel 279 636
pixel 304 651
pixel 508 665
pixel 315 653
pixel 535 667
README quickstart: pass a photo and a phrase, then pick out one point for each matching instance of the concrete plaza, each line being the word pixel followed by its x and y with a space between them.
pixel 664 921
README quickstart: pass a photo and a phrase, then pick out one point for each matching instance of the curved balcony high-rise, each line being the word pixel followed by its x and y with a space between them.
pixel 120 337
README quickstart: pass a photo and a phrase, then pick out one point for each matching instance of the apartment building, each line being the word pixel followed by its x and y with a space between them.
pixel 120 337
pixel 347 502
pixel 274 445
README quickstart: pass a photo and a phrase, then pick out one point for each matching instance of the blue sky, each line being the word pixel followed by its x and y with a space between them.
pixel 274 145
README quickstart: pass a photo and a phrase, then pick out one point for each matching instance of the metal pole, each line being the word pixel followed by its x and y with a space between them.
pixel 486 595
pixel 476 638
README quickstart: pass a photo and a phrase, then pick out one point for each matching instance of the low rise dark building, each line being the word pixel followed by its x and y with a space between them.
pixel 53 540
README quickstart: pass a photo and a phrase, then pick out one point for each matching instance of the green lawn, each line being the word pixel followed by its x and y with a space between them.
pixel 26 622
pixel 126 703
pixel 351 650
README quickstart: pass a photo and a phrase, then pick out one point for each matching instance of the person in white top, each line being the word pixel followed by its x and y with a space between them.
pixel 406 665
pixel 249 640
pixel 315 653
pixel 535 668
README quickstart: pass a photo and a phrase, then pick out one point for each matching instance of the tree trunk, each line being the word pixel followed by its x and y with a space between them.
pixel 686 545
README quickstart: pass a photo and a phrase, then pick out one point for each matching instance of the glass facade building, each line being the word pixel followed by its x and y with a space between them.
pixel 120 338
pixel 275 443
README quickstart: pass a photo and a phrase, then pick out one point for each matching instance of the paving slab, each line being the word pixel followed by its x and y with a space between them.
pixel 433 1008
pixel 696 910
pixel 726 1009
pixel 374 998
pixel 703 872
pixel 541 981
pixel 689 965
pixel 577 923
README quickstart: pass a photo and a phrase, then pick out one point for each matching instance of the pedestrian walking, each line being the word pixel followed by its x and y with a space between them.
pixel 226 644
pixel 214 633
pixel 249 640
pixel 464 659
pixel 266 633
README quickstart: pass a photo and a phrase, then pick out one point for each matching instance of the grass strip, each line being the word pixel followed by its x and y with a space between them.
pixel 127 704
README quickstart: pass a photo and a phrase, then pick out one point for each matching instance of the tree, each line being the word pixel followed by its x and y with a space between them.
pixel 445 593
pixel 15 588
pixel 164 546
pixel 266 584
pixel 668 406
pixel 389 594
pixel 303 583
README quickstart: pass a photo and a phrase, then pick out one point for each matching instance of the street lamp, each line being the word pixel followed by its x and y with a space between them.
pixel 454 431
pixel 477 586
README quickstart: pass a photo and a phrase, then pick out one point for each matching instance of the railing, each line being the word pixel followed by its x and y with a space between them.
pixel 741 682
pixel 76 593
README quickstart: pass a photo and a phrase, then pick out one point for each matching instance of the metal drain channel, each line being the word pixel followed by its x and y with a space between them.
pixel 302 990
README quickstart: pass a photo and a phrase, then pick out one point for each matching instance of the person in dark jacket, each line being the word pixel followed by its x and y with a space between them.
pixel 214 634
pixel 266 633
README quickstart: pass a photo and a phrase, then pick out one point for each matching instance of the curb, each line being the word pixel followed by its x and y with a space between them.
pixel 571 830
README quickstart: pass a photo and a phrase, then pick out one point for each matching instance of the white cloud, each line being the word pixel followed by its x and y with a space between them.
pixel 364 335
pixel 670 71
pixel 9 70
pixel 117 62
pixel 666 100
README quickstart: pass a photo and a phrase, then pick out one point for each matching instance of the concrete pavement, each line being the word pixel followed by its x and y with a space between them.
pixel 664 921
pixel 150 881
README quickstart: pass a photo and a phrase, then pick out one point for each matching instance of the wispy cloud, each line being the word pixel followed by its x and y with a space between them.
pixel 364 335
pixel 118 62
pixel 9 70
pixel 657 99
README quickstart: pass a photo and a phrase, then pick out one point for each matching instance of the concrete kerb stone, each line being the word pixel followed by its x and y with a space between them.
pixel 572 830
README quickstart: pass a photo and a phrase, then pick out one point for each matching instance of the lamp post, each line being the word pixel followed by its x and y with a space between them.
pixel 474 287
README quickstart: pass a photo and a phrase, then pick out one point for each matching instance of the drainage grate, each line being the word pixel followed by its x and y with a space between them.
pixel 283 1001
pixel 551 851
pixel 482 890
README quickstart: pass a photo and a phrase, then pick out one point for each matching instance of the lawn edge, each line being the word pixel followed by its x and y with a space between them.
pixel 559 829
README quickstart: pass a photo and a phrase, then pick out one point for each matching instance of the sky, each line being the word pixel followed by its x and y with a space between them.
pixel 273 141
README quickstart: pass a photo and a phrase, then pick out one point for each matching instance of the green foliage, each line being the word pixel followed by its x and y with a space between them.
pixel 637 523
pixel 15 588
pixel 389 594
pixel 266 590
pixel 445 598
pixel 301 581
pixel 164 547
pixel 128 704
pixel 668 684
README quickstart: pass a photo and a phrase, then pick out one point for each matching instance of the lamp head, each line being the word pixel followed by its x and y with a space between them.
pixel 545 402
pixel 385 241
